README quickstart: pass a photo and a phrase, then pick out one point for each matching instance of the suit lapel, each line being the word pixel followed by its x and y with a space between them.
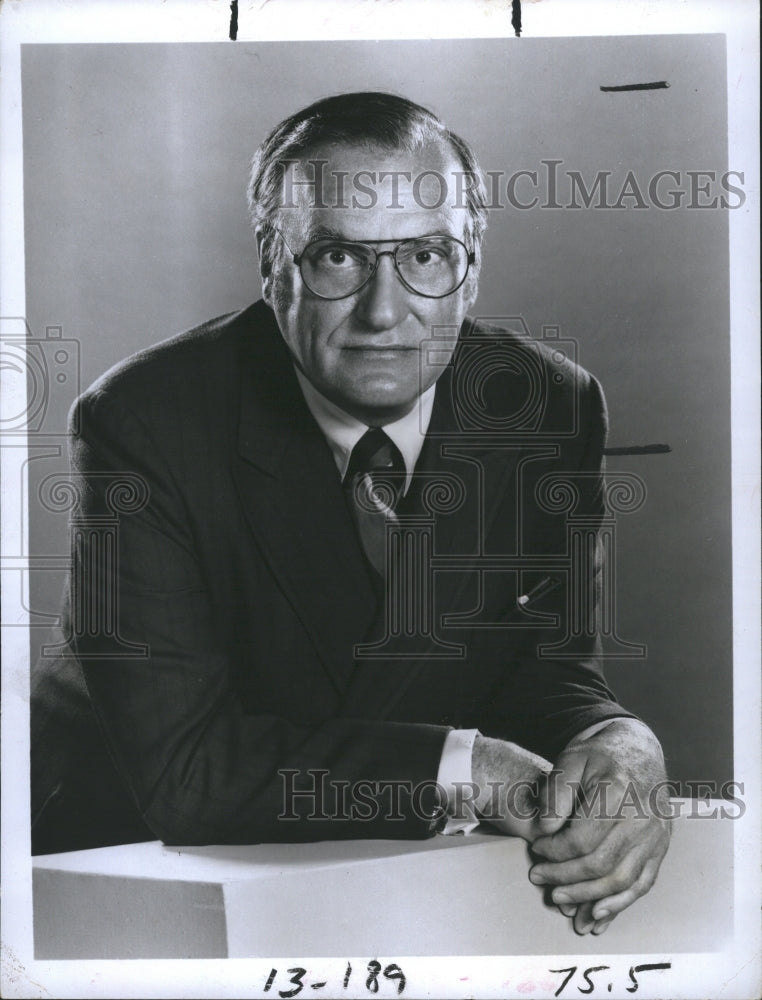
pixel 294 504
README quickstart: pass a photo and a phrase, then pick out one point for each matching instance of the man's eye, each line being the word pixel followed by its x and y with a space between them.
pixel 336 257
pixel 429 253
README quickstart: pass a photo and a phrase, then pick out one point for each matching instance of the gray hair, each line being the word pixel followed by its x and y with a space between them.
pixel 372 119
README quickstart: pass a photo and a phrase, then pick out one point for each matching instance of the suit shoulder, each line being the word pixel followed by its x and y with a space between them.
pixel 551 356
pixel 177 386
pixel 522 384
pixel 182 365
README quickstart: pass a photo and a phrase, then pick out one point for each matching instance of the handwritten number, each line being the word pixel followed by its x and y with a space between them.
pixel 588 980
pixel 393 971
pixel 371 983
pixel 590 985
pixel 563 985
pixel 644 968
pixel 296 979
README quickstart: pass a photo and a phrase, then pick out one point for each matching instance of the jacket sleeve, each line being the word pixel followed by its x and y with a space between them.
pixel 543 699
pixel 199 768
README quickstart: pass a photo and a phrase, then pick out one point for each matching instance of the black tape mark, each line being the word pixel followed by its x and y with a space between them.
pixel 657 85
pixel 516 17
pixel 639 449
pixel 233 20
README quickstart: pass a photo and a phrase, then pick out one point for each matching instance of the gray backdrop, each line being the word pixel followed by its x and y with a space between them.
pixel 135 169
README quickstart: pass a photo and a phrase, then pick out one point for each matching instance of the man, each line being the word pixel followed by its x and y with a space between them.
pixel 260 654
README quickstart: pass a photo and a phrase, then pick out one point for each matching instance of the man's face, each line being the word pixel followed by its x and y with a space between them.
pixel 366 352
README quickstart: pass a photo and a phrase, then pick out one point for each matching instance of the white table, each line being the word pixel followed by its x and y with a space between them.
pixel 445 896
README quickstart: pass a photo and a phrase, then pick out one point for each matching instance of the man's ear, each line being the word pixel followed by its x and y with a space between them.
pixel 471 287
pixel 265 268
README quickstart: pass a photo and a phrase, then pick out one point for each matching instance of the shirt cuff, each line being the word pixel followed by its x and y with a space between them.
pixel 454 777
pixel 595 728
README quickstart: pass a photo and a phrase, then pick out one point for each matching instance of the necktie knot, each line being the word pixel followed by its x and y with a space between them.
pixel 377 456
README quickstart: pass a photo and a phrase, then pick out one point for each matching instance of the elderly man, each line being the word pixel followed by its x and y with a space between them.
pixel 332 607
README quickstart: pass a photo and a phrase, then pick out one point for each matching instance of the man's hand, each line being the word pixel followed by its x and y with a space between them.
pixel 603 825
pixel 507 779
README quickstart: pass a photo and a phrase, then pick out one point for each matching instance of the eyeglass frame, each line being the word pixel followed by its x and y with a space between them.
pixel 297 260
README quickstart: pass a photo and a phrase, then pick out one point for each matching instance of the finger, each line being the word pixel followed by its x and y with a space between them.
pixel 609 906
pixel 629 879
pixel 583 919
pixel 601 926
pixel 567 909
pixel 558 793
pixel 579 837
pixel 583 866
pixel 625 878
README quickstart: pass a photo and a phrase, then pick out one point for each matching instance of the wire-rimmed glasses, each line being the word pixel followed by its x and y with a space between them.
pixel 432 266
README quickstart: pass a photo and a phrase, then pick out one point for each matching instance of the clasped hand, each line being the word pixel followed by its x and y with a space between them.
pixel 599 825
pixel 601 837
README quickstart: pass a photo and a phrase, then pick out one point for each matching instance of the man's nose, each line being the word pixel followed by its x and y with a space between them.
pixel 383 302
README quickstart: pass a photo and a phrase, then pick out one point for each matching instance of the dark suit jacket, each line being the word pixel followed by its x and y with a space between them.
pixel 213 645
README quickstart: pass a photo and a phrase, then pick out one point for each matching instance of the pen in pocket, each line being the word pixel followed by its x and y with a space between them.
pixel 532 596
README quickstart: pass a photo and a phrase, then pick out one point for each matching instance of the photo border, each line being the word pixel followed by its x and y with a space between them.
pixel 731 973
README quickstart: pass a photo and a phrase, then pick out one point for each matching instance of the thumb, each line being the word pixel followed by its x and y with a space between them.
pixel 559 792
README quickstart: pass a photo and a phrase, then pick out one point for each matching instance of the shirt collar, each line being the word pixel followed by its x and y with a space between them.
pixel 342 431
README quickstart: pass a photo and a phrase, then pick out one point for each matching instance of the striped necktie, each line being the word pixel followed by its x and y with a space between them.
pixel 374 482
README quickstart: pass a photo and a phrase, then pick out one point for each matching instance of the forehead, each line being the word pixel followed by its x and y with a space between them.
pixel 363 192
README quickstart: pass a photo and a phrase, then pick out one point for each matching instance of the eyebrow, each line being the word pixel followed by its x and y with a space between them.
pixel 325 232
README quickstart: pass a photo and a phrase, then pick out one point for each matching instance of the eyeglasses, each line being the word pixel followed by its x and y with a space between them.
pixel 432 266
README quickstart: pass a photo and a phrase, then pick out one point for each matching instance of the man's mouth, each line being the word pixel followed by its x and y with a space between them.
pixel 380 348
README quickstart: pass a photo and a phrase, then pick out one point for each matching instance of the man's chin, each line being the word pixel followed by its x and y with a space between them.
pixel 377 404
